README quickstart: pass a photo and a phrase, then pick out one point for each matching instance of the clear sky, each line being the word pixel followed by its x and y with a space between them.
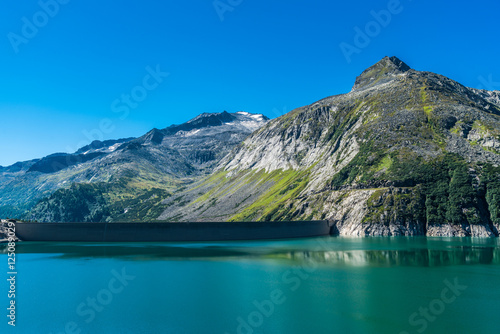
pixel 74 70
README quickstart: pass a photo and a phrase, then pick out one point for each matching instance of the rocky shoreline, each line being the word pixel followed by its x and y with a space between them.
pixel 388 212
pixel 4 232
pixel 410 230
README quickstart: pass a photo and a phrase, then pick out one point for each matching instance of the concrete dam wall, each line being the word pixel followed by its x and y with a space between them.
pixel 144 232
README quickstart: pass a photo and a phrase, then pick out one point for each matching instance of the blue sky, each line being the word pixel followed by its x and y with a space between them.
pixel 66 69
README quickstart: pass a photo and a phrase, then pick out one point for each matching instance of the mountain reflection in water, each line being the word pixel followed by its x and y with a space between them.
pixel 330 251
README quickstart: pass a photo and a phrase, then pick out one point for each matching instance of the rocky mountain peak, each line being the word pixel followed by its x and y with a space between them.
pixel 211 120
pixel 400 65
pixel 208 119
pixel 154 136
pixel 383 71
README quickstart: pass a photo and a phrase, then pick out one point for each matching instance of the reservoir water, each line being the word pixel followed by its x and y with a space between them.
pixel 319 285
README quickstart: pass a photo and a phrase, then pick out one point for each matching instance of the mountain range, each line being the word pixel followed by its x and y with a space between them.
pixel 121 179
pixel 405 152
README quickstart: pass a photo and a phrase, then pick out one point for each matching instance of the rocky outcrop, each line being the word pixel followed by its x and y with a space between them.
pixel 382 72
pixel 381 212
pixel 5 234
pixel 462 230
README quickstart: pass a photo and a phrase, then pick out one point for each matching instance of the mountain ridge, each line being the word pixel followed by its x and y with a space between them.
pixel 125 167
pixel 343 157
pixel 405 152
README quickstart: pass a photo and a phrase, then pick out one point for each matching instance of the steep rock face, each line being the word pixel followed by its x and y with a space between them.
pixel 383 71
pixel 382 212
pixel 490 96
pixel 389 158
pixel 207 138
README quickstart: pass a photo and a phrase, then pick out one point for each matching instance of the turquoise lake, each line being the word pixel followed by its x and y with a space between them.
pixel 319 285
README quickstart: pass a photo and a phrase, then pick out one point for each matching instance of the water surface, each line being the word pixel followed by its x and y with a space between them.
pixel 319 285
